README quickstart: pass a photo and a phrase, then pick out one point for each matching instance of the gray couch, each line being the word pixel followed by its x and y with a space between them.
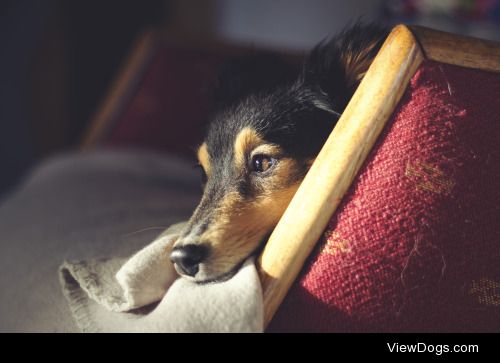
pixel 104 203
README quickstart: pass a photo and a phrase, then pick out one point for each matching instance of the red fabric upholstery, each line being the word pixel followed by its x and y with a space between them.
pixel 414 245
pixel 168 111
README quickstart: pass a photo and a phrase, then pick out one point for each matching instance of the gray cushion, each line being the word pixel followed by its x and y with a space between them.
pixel 76 207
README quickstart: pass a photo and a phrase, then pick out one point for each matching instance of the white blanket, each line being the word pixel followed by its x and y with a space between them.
pixel 144 294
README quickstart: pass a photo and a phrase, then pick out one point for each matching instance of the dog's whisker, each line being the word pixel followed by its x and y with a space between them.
pixel 144 230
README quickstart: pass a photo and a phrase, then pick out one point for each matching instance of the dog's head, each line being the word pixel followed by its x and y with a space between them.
pixel 260 145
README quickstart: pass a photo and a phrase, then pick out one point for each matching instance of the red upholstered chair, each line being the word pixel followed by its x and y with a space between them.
pixel 395 227
pixel 411 174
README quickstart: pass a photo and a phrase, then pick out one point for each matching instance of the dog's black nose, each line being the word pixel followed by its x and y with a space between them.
pixel 189 257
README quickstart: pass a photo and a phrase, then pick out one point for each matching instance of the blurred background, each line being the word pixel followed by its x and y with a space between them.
pixel 59 57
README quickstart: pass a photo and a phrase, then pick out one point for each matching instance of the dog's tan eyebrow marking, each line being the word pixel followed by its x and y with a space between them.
pixel 246 140
pixel 204 158
pixel 268 149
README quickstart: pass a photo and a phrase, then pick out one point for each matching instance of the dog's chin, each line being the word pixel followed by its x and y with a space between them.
pixel 217 278
pixel 220 276
pixel 207 278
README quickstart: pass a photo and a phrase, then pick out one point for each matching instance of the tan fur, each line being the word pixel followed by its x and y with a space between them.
pixel 267 149
pixel 356 64
pixel 241 224
pixel 204 158
pixel 246 141
pixel 240 227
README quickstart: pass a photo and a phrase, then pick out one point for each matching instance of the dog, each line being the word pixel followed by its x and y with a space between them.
pixel 272 119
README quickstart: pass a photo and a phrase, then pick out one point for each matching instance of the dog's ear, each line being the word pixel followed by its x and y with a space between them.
pixel 251 74
pixel 337 66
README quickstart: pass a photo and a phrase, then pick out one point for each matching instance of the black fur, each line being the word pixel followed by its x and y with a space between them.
pixel 295 108
pixel 325 67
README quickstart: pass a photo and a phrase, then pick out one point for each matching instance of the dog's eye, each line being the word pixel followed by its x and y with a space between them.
pixel 262 163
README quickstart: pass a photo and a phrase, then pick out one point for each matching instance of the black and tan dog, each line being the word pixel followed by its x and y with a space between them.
pixel 272 121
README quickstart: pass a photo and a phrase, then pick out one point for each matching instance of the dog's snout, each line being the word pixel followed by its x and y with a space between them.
pixel 189 257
